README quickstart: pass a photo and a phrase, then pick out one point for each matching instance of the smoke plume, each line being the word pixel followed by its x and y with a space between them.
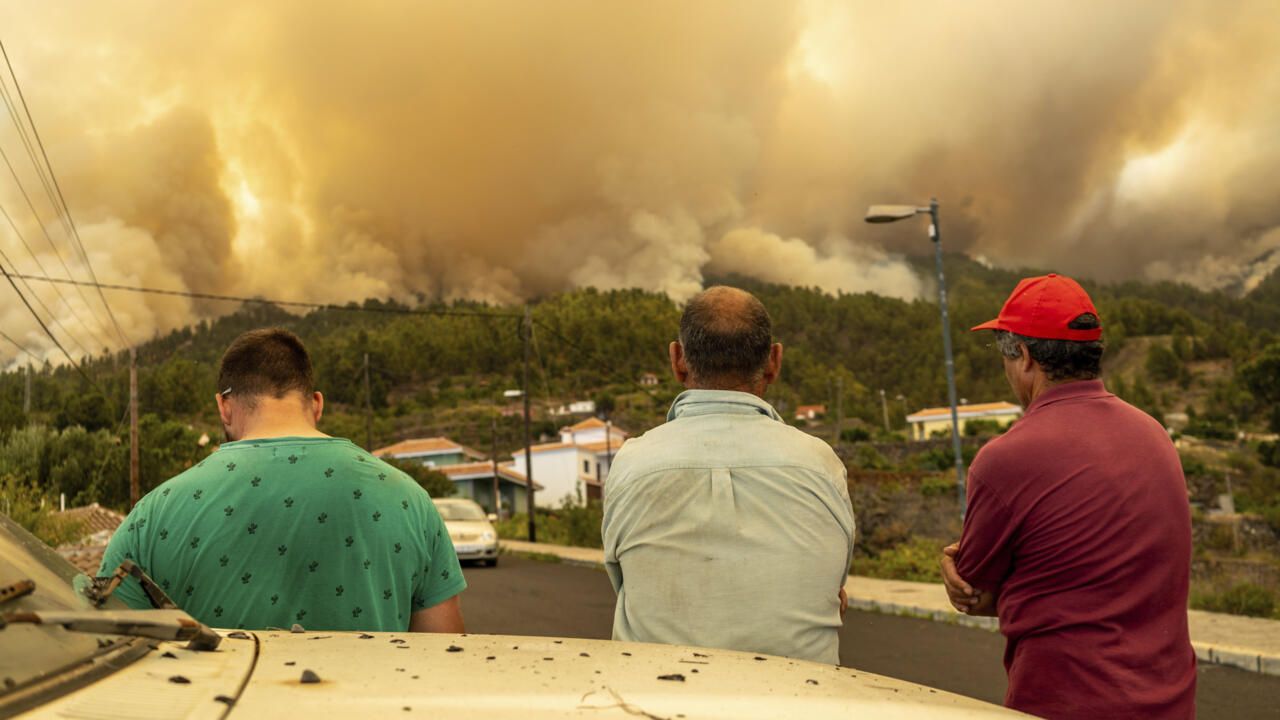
pixel 499 151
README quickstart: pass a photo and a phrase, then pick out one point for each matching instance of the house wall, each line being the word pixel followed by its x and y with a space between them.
pixel 464 489
pixel 925 430
pixel 557 472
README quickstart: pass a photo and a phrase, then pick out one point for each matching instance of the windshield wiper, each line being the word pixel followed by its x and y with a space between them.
pixel 157 624
pixel 166 622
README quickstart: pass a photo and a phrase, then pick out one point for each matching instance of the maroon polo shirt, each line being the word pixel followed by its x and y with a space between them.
pixel 1078 517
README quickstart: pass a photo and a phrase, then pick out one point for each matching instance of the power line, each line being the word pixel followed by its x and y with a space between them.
pixel 66 210
pixel 606 367
pixel 9 276
pixel 52 316
pixel 35 259
pixel 268 301
pixel 18 345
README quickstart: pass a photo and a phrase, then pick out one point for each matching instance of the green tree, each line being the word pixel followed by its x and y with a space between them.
pixel 436 483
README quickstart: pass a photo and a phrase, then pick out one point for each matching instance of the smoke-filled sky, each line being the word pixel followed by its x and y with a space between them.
pixel 332 151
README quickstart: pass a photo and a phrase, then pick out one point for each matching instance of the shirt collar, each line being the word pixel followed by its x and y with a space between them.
pixel 719 402
pixel 1069 391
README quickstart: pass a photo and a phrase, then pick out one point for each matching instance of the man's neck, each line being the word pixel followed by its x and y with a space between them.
pixel 264 431
pixel 756 389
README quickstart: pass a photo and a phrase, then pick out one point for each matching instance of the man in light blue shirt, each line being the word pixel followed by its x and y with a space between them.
pixel 725 527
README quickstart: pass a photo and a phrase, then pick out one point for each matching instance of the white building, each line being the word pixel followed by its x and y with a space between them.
pixel 937 420
pixel 575 468
pixel 577 407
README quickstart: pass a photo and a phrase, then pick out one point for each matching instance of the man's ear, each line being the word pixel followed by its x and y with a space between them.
pixel 1025 363
pixel 773 368
pixel 224 409
pixel 317 406
pixel 679 367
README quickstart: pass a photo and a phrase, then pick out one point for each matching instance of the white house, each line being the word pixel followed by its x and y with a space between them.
pixel 938 419
pixel 575 468
pixel 577 407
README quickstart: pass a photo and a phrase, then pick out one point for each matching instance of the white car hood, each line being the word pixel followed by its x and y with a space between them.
pixel 496 676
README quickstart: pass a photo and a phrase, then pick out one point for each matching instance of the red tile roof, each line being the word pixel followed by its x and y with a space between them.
pixel 421 446
pixel 94 520
pixel 85 557
pixel 485 469
pixel 996 408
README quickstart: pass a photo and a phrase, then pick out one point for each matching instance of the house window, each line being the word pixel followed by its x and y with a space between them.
pixel 586 466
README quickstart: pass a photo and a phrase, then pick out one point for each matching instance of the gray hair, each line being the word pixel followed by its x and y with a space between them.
pixel 1061 359
pixel 726 334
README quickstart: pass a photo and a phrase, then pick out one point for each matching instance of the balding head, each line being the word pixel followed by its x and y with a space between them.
pixel 726 336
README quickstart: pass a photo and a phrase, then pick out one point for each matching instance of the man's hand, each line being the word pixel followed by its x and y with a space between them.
pixel 963 596
pixel 844 602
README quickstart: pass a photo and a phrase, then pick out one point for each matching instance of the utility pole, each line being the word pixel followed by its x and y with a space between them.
pixel 935 234
pixel 527 336
pixel 608 449
pixel 884 408
pixel 493 454
pixel 368 407
pixel 26 393
pixel 135 480
pixel 839 410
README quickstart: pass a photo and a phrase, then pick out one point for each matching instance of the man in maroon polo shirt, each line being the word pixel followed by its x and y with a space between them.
pixel 1078 530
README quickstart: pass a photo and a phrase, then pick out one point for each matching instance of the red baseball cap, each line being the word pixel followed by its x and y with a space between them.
pixel 1043 307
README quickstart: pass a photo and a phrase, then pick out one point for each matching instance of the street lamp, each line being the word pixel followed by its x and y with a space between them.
pixel 893 213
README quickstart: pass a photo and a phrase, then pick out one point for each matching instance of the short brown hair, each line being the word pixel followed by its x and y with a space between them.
pixel 726 334
pixel 269 361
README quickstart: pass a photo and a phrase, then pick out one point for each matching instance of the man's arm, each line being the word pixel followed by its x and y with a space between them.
pixel 445 617
pixel 124 546
pixel 963 596
pixel 974 568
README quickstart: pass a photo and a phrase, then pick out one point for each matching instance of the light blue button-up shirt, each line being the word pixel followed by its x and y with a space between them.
pixel 727 528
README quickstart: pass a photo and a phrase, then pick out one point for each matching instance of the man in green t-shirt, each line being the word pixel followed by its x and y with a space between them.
pixel 284 524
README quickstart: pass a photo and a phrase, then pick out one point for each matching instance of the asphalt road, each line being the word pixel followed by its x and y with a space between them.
pixel 529 597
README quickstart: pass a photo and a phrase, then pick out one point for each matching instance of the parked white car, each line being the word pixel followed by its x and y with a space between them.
pixel 472 532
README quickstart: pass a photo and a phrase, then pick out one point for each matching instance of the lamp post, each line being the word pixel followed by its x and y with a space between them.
pixel 893 213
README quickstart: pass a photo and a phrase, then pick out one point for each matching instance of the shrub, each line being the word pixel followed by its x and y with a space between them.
pixel 855 434
pixel 938 486
pixel 25 505
pixel 1244 598
pixel 867 457
pixel 982 428
pixel 915 559
pixel 578 526
pixel 1269 453
pixel 436 483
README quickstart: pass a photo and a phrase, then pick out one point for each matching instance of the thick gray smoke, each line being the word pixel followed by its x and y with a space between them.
pixel 336 151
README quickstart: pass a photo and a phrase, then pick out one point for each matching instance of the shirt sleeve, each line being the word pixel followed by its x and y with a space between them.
pixel 987 540
pixel 124 546
pixel 442 578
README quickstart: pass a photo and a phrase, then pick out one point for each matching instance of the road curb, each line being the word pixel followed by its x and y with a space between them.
pixel 1215 653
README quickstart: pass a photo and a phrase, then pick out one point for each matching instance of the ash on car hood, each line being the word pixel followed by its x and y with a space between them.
pixel 496 676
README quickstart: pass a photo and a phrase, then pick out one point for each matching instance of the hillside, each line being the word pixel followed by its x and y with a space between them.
pixel 444 374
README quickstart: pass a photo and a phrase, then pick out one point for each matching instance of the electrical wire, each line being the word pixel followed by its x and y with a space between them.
pixel 18 345
pixel 66 211
pixel 39 301
pixel 31 206
pixel 268 301
pixel 9 276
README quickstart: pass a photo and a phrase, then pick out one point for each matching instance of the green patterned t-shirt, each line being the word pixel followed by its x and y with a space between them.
pixel 272 532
